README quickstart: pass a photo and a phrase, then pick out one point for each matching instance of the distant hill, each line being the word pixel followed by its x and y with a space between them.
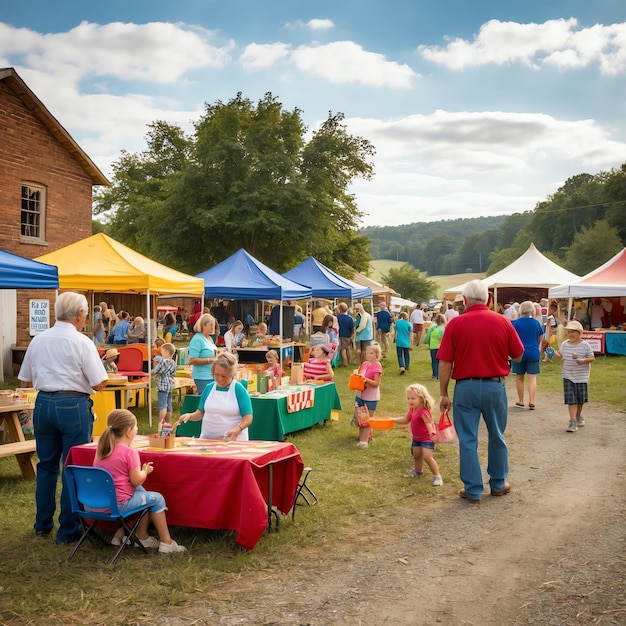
pixel 381 267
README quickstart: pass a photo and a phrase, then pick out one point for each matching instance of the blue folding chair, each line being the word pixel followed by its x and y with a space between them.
pixel 93 488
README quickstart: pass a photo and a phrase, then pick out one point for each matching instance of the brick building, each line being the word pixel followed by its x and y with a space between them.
pixel 46 183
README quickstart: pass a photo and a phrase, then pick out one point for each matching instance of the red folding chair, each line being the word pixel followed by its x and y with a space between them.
pixel 130 362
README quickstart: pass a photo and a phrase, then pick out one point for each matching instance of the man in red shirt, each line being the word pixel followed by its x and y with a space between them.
pixel 475 351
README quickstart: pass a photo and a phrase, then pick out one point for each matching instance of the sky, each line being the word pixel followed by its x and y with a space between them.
pixel 474 107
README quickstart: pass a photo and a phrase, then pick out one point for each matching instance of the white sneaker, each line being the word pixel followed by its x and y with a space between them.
pixel 580 421
pixel 117 541
pixel 437 481
pixel 414 474
pixel 362 444
pixel 573 426
pixel 166 548
pixel 151 543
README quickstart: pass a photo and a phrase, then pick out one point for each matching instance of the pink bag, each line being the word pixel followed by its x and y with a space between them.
pixel 445 430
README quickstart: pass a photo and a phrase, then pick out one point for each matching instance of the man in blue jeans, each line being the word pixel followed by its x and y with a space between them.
pixel 383 327
pixel 65 367
pixel 475 351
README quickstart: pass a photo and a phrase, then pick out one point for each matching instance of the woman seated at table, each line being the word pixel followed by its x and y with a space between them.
pixel 225 407
pixel 202 351
pixel 170 328
pixel 137 331
pixel 318 367
pixel 234 337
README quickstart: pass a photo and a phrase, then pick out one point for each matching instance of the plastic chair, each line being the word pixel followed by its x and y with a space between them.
pixel 130 362
pixel 303 491
pixel 93 488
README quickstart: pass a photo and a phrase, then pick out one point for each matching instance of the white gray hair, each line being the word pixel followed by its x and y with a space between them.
pixel 69 304
pixel 476 290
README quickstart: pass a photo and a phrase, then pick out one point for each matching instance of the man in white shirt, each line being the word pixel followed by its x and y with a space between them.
pixel 450 311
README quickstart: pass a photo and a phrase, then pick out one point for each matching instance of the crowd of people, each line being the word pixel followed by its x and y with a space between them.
pixel 468 342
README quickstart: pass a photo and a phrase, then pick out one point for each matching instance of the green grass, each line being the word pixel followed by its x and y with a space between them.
pixel 355 488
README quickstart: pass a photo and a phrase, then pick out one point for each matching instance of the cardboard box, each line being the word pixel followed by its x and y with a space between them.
pixel 297 374
pixel 162 442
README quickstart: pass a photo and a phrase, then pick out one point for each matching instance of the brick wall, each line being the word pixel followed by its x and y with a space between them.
pixel 30 153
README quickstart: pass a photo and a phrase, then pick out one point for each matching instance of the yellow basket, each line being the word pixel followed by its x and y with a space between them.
pixel 334 415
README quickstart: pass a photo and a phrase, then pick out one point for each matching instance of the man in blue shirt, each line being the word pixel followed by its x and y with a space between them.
pixel 346 333
pixel 383 327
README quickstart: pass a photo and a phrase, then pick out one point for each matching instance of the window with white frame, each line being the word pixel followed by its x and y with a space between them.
pixel 33 216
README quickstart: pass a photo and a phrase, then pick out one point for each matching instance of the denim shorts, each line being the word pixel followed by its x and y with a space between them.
pixel 525 367
pixel 370 404
pixel 142 497
pixel 423 444
pixel 164 399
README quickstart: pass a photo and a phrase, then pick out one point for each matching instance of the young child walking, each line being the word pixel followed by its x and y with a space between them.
pixel 165 370
pixel 115 454
pixel 372 372
pixel 423 430
pixel 577 356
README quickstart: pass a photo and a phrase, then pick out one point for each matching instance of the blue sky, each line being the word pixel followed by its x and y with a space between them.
pixel 474 107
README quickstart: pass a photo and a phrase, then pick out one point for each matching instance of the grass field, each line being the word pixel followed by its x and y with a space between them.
pixel 356 488
pixel 381 267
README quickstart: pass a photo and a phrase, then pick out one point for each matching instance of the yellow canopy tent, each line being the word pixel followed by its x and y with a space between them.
pixel 99 263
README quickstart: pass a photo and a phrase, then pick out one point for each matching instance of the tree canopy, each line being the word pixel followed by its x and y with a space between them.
pixel 246 178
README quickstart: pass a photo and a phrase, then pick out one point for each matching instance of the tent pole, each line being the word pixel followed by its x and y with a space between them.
pixel 149 346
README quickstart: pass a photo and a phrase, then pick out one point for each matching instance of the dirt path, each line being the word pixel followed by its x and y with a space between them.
pixel 552 552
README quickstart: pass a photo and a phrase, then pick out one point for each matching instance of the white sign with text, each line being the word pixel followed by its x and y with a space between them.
pixel 39 316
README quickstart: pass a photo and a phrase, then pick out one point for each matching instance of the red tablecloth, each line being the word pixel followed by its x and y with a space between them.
pixel 215 484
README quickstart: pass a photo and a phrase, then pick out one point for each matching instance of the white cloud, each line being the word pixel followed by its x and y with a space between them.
pixel 257 56
pixel 343 62
pixel 314 24
pixel 454 164
pixel 156 52
pixel 555 42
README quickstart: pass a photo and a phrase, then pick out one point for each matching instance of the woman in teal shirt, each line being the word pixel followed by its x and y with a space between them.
pixel 202 352
pixel 225 407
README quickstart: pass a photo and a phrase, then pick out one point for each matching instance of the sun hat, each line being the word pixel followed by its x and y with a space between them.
pixel 574 325
pixel 324 347
pixel 111 353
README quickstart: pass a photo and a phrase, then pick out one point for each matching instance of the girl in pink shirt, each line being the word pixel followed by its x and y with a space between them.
pixel 318 367
pixel 122 462
pixel 423 430
pixel 372 371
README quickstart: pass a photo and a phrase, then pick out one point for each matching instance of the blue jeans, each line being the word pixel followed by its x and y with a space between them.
pixel 142 497
pixel 61 420
pixel 471 399
pixel 404 358
pixel 201 385
pixel 434 362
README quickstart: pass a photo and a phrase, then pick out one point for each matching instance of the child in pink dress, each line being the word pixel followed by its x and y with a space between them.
pixel 423 430
pixel 372 371
pixel 318 366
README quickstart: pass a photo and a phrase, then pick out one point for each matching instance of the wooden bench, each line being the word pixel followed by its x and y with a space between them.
pixel 22 451
pixel 18 447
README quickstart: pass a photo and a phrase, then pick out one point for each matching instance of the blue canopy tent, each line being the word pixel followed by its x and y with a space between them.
pixel 325 283
pixel 18 272
pixel 242 277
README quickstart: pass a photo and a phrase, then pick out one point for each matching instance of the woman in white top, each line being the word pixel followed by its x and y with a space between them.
pixel 225 407
pixel 233 338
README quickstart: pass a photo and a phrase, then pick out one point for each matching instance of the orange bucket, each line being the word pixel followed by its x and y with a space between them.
pixel 381 423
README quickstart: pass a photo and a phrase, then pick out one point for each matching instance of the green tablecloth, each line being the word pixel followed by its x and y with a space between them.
pixel 272 421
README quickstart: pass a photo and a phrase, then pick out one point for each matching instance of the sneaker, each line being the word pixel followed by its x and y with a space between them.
pixel 118 541
pixel 167 548
pixel 150 543
pixel 437 481
pixel 362 444
pixel 573 426
pixel 580 421
pixel 414 474
pixel 402 370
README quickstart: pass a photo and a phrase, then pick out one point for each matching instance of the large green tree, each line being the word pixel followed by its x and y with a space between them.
pixel 247 178
pixel 592 247
pixel 410 283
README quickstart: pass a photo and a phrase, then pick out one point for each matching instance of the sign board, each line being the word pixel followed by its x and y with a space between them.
pixel 38 316
pixel 595 340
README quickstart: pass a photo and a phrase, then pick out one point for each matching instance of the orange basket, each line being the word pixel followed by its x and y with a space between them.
pixel 381 423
